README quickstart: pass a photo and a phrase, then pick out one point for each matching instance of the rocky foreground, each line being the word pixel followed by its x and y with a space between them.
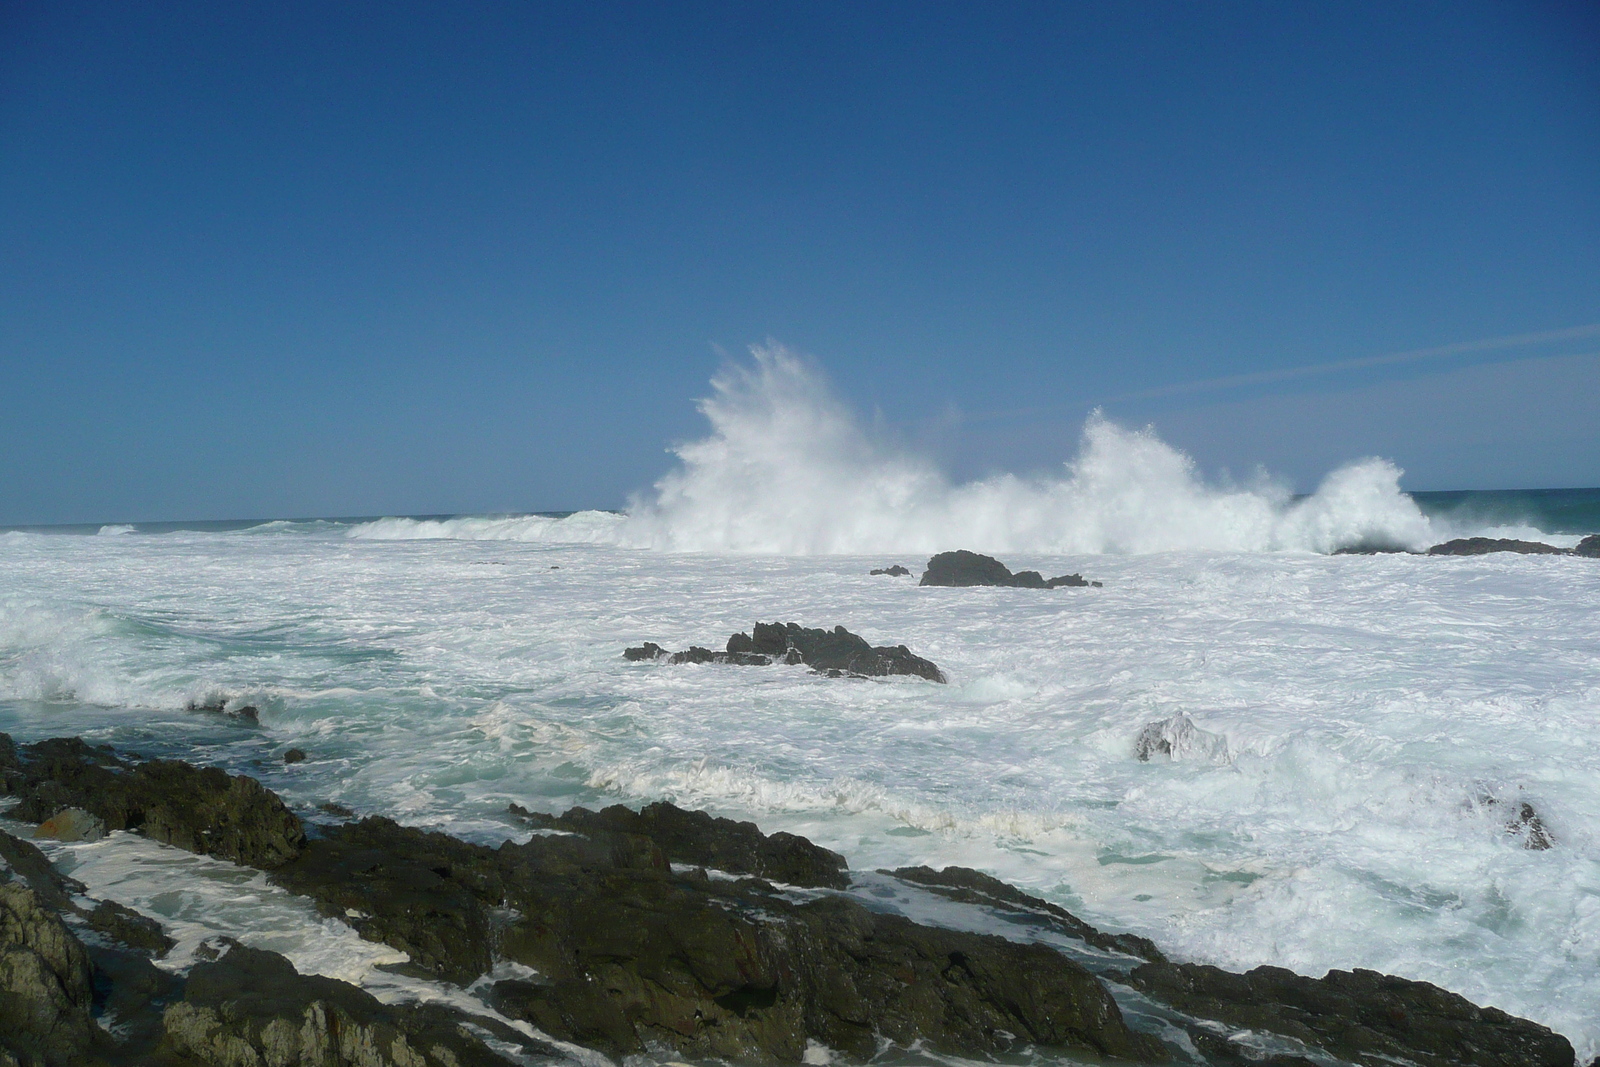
pixel 660 931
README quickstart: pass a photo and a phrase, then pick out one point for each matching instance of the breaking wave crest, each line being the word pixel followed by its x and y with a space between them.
pixel 787 470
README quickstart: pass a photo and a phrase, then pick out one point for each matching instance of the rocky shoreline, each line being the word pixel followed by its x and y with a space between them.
pixel 660 932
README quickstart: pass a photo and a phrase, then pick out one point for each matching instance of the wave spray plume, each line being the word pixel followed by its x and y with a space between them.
pixel 786 470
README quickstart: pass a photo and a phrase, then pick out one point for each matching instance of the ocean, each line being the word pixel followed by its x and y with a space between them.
pixel 1368 727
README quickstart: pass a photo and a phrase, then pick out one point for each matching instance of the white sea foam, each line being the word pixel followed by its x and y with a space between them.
pixel 116 530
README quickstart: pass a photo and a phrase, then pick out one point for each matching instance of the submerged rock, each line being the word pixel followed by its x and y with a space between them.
pixel 1361 1016
pixel 204 810
pixel 963 568
pixel 1482 546
pixel 835 652
pixel 895 571
pixel 1179 738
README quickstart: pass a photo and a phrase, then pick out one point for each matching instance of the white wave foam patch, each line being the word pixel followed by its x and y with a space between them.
pixel 786 470
pixel 583 527
pixel 115 530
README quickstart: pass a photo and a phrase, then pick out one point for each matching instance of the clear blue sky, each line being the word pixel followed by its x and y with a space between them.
pixel 288 259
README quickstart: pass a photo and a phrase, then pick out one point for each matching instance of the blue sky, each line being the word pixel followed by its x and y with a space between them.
pixel 287 259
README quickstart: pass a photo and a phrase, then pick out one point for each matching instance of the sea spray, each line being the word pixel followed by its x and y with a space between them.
pixel 786 470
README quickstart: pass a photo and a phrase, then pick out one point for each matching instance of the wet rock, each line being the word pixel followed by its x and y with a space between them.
pixel 1524 822
pixel 1589 547
pixel 1361 1016
pixel 128 927
pixel 836 652
pixel 895 571
pixel 426 894
pixel 631 957
pixel 1481 546
pixel 22 860
pixel 631 954
pixel 967 886
pixel 702 840
pixel 204 810
pixel 71 824
pixel 963 568
pixel 247 713
pixel 46 990
pixel 252 1008
pixel 295 755
pixel 1179 738
pixel 337 810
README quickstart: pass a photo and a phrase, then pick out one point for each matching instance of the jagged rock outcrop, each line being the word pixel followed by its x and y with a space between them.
pixel 201 809
pixel 253 1009
pixel 631 953
pixel 46 987
pixel 836 652
pixel 702 840
pixel 1589 547
pixel 892 571
pixel 1361 1016
pixel 963 568
pixel 1482 546
pixel 636 947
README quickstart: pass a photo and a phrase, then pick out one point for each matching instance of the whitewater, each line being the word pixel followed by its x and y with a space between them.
pixel 1364 728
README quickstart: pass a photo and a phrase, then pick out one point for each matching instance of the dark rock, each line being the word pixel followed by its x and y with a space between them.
pixel 836 652
pixel 632 955
pixel 1525 823
pixel 648 650
pixel 700 839
pixel 1372 548
pixel 407 888
pixel 963 568
pixel 124 925
pixel 22 860
pixel 331 808
pixel 968 886
pixel 1481 546
pixel 1362 1016
pixel 246 713
pixel 252 1007
pixel 204 810
pixel 295 755
pixel 895 571
pixel 1589 547
pixel 1531 828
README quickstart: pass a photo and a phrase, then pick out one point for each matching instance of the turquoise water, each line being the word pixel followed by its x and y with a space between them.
pixel 1552 511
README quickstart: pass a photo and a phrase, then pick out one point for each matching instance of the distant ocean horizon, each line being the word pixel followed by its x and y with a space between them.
pixel 1557 512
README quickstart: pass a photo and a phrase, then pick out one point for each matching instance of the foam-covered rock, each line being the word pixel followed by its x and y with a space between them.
pixel 1179 738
